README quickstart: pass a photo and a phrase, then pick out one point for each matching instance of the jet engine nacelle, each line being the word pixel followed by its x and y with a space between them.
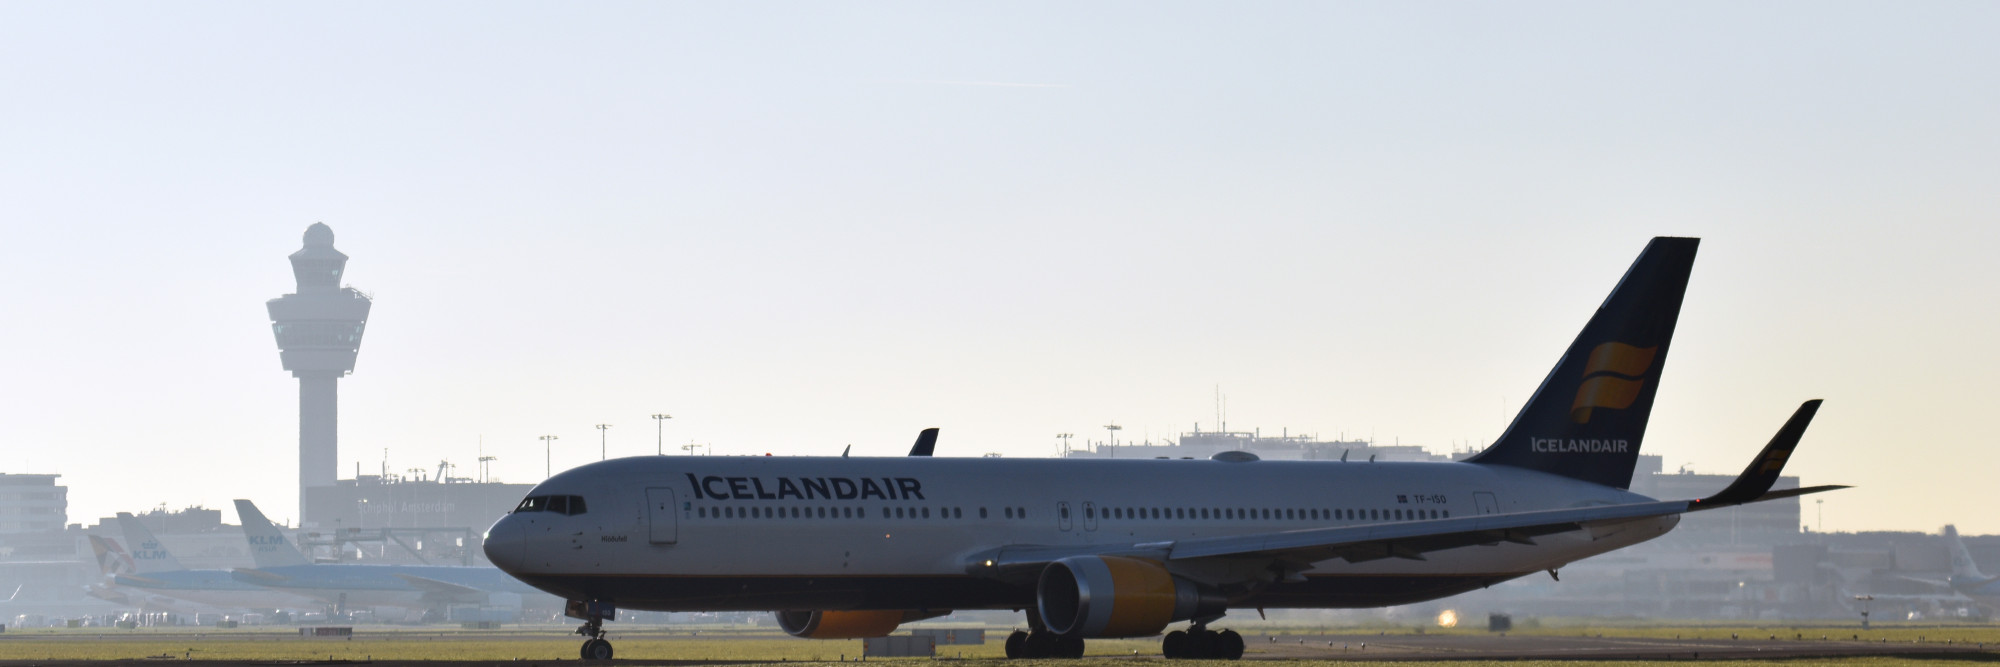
pixel 1116 596
pixel 849 624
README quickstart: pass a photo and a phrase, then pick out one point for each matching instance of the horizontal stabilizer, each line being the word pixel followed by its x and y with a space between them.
pixel 1755 482
pixel 1789 493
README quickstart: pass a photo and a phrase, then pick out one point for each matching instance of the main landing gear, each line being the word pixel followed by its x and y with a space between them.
pixel 1043 644
pixel 1038 642
pixel 594 614
pixel 1201 643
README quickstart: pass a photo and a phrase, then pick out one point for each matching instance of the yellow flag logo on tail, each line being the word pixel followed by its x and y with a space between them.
pixel 1611 379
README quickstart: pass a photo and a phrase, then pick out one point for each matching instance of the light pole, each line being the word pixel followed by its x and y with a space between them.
pixel 484 467
pixel 1819 515
pixel 660 434
pixel 1864 609
pixel 690 447
pixel 1064 437
pixel 546 469
pixel 602 429
pixel 1114 429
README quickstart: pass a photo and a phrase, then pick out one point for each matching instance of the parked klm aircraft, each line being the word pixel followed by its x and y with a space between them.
pixel 155 573
pixel 852 547
pixel 1966 578
pixel 283 567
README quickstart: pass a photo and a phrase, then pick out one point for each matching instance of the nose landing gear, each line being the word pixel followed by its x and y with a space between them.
pixel 594 614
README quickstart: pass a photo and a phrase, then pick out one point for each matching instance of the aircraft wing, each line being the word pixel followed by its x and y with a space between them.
pixel 1355 544
pixel 444 591
pixel 1412 539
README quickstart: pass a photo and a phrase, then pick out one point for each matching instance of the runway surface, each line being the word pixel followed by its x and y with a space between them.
pixel 538 649
pixel 1408 647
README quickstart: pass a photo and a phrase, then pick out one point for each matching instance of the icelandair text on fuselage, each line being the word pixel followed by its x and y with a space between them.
pixel 1586 446
pixel 806 488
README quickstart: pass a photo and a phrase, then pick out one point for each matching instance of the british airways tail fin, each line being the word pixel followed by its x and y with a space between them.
pixel 1587 419
pixel 111 558
pixel 148 554
pixel 268 546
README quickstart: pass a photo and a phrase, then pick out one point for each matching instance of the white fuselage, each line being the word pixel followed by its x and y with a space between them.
pixel 762 533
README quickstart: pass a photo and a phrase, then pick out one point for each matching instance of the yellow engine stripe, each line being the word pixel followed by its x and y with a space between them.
pixel 1145 600
pixel 856 624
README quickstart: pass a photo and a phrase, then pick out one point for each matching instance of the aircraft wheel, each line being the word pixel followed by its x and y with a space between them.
pixel 1229 645
pixel 1017 645
pixel 1175 646
pixel 1201 644
pixel 1039 645
pixel 596 649
pixel 1069 647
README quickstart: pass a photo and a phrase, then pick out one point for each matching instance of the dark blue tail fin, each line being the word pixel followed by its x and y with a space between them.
pixel 1588 417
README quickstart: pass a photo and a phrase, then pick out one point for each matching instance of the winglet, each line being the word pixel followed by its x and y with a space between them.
pixel 926 443
pixel 1755 482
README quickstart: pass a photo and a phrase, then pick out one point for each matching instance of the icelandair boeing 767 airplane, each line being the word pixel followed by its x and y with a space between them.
pixel 853 547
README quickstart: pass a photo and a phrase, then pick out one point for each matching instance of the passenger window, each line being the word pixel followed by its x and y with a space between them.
pixel 1010 512
pixel 982 512
pixel 927 512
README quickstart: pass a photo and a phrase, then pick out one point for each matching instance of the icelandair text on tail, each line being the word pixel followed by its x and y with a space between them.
pixel 1586 446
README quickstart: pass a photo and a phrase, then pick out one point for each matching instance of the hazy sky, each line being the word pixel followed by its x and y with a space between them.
pixel 800 226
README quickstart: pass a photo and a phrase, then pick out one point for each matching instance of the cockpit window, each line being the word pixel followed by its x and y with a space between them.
pixel 569 505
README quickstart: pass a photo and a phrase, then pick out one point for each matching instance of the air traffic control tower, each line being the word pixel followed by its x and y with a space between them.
pixel 319 333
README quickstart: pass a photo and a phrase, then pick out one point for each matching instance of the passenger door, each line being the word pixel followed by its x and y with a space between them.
pixel 662 516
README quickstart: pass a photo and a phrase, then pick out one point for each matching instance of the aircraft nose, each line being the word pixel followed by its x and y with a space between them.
pixel 507 544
